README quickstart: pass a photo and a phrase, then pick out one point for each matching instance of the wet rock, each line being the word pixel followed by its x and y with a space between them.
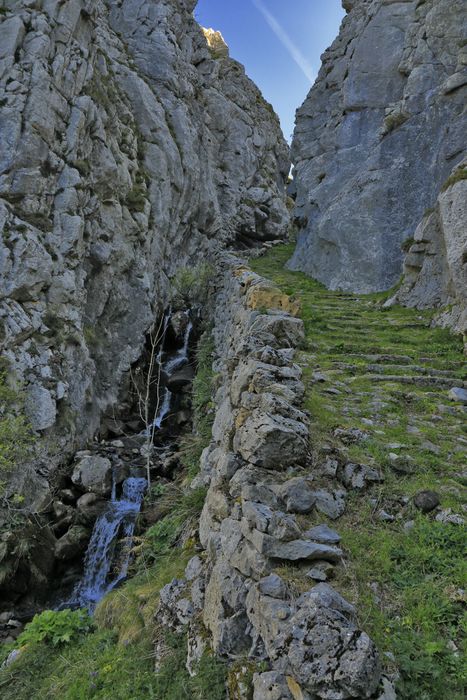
pixel 180 379
pixel 68 496
pixel 73 543
pixel 93 473
pixel 90 506
pixel 426 501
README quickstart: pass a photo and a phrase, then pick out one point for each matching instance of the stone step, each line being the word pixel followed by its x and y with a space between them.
pixel 443 382
pixel 431 371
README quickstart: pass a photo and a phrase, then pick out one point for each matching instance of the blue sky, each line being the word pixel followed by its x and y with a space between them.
pixel 278 41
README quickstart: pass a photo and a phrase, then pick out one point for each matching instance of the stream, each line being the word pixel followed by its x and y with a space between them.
pixel 108 554
pixel 109 550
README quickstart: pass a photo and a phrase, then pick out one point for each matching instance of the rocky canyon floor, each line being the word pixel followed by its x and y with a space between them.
pixel 388 444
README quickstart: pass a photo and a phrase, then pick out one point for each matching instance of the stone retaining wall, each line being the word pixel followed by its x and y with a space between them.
pixel 257 485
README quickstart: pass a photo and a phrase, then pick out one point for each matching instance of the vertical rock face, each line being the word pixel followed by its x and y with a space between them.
pixel 376 138
pixel 435 267
pixel 129 149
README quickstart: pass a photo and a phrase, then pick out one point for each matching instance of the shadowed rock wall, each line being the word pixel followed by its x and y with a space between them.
pixel 377 136
pixel 129 149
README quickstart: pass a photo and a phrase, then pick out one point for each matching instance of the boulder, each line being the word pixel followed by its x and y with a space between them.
pixel 271 441
pixel 426 501
pixel 73 543
pixel 330 503
pixel 458 394
pixel 93 473
pixel 90 506
pixel 297 495
pixel 323 534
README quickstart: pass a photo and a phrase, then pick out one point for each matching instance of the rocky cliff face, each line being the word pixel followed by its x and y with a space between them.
pixel 130 148
pixel 435 267
pixel 376 138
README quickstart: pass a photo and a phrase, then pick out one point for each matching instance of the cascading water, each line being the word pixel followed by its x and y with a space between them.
pixel 110 546
pixel 171 364
pixel 108 554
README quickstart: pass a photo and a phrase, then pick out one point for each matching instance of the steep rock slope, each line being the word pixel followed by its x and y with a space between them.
pixel 377 136
pixel 435 267
pixel 130 148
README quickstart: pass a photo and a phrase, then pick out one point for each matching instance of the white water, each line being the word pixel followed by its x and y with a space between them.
pixel 173 362
pixel 109 545
pixel 108 554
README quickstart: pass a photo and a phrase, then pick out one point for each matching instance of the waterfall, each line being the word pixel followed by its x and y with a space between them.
pixel 175 361
pixel 109 546
pixel 108 555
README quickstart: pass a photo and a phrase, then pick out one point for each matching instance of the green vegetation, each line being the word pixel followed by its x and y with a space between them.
pixel 190 286
pixel 56 628
pixel 407 244
pixel 457 176
pixel 137 197
pixel 193 445
pixel 96 667
pixel 394 120
pixel 16 436
pixel 406 581
pixel 64 656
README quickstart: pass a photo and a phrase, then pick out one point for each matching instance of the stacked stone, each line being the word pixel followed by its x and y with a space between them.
pixel 249 524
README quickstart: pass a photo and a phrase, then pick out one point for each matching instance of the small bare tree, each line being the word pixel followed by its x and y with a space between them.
pixel 147 408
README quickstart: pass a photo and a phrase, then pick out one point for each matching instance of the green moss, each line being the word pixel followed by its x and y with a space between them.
pixel 405 584
pixel 407 244
pixel 16 436
pixel 137 197
pixel 457 176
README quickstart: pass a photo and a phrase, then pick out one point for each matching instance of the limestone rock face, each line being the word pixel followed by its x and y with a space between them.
pixel 435 267
pixel 129 148
pixel 377 136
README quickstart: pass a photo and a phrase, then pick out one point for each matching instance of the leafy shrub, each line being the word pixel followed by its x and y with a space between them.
pixel 16 436
pixel 203 409
pixel 56 627
pixel 190 286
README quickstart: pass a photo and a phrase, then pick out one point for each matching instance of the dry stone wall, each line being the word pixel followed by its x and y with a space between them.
pixel 258 483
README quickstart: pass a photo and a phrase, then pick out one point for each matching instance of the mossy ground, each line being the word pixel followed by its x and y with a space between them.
pixel 407 584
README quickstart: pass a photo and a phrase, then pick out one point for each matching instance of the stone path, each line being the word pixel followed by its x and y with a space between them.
pixel 389 442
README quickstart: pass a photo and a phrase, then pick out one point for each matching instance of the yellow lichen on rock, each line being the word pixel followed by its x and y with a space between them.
pixel 294 688
pixel 262 296
pixel 216 43
pixel 241 417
